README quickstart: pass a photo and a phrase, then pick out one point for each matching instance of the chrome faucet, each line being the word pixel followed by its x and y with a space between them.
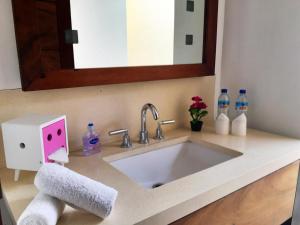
pixel 144 139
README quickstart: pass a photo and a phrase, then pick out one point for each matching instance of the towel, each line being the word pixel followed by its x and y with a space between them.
pixel 75 189
pixel 239 125
pixel 222 124
pixel 43 210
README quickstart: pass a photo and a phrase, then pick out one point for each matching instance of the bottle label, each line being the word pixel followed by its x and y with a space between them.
pixel 94 141
pixel 241 106
pixel 223 104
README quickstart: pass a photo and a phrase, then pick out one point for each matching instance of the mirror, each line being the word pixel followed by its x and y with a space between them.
pixel 118 41
pixel 130 33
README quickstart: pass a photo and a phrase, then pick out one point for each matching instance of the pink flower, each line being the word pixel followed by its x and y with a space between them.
pixel 194 106
pixel 197 98
pixel 203 105
pixel 197 109
pixel 198 105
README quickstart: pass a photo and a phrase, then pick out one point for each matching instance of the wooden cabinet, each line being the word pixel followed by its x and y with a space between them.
pixel 268 201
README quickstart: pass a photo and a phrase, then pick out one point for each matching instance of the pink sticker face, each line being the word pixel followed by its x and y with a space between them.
pixel 54 137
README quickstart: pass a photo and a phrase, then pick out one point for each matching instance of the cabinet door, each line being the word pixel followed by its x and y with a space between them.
pixel 268 201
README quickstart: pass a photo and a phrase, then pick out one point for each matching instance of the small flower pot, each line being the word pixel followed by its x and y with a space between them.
pixel 196 126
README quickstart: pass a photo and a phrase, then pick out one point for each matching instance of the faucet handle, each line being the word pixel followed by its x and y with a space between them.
pixel 126 138
pixel 159 132
pixel 166 122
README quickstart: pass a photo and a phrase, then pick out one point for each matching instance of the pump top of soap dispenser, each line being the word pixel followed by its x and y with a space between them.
pixel 90 125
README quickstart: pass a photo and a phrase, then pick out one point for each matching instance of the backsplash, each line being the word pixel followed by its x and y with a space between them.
pixel 110 107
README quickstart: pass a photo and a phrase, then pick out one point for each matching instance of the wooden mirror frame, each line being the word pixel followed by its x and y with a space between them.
pixel 46 62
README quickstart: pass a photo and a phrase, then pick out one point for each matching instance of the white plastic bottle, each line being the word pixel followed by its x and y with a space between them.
pixel 223 102
pixel 241 105
pixel 222 123
pixel 239 124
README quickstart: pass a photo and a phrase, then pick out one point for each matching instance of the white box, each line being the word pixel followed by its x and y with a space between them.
pixel 29 140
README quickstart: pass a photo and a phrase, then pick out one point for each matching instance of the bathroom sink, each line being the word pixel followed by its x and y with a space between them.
pixel 155 168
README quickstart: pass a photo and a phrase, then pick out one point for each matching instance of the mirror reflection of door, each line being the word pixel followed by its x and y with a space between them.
pixel 121 33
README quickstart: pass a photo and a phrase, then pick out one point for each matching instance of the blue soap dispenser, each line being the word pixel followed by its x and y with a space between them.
pixel 91 141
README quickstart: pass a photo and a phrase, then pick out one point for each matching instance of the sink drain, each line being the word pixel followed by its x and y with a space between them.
pixel 156 185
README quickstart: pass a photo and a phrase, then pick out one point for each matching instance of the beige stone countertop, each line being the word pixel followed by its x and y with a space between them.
pixel 262 154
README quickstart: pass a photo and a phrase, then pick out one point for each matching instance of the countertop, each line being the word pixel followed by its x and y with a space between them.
pixel 262 154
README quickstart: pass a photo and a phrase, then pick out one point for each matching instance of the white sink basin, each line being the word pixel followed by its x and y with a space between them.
pixel 158 167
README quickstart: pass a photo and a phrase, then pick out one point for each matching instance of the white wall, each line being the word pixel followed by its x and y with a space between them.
pixel 150 27
pixel 9 72
pixel 102 33
pixel 188 23
pixel 261 52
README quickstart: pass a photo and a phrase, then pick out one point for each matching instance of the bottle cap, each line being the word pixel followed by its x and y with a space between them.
pixel 224 91
pixel 243 91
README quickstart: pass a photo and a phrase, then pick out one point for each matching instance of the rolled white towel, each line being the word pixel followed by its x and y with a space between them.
pixel 43 210
pixel 75 189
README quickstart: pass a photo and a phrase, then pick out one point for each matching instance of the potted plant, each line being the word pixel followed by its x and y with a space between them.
pixel 197 111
